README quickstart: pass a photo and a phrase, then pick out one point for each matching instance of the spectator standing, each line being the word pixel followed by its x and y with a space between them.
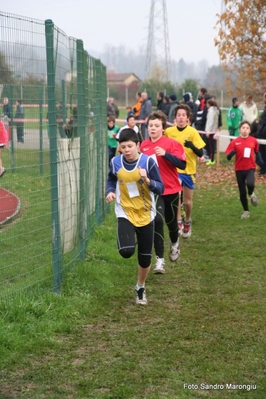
pixel 261 134
pixel 201 116
pixel 59 119
pixel 166 105
pixel 112 130
pixel 71 128
pixel 200 120
pixel 112 108
pixel 174 103
pixel 249 109
pixel 3 143
pixel 131 124
pixel 137 106
pixel 6 108
pixel 145 111
pixel 115 108
pixel 245 147
pixel 160 104
pixel 188 99
pixel 234 117
pixel 220 122
pixel 133 179
pixel 212 124
pixel 7 115
pixel 129 110
pixel 169 155
pixel 188 137
pixel 220 119
pixel 19 124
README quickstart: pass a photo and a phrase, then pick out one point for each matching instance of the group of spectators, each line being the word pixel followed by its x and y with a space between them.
pixel 18 117
pixel 206 117
pixel 5 127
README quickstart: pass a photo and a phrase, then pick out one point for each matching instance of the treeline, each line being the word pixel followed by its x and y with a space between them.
pixel 125 60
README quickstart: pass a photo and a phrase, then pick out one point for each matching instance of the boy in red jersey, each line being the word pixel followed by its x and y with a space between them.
pixel 169 155
pixel 245 147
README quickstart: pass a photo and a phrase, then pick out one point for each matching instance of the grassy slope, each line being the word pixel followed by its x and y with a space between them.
pixel 204 323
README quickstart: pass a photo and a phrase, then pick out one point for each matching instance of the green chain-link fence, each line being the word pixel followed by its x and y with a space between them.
pixel 52 194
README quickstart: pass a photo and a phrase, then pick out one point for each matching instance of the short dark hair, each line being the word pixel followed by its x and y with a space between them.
pixel 128 135
pixel 158 115
pixel 244 123
pixel 185 107
pixel 131 115
pixel 212 102
pixel 111 118
pixel 203 90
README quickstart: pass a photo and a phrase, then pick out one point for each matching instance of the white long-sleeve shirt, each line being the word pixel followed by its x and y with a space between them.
pixel 212 119
pixel 250 111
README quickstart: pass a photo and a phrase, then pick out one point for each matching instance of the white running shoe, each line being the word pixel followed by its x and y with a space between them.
pixel 245 215
pixel 141 297
pixel 159 266
pixel 174 252
pixel 254 199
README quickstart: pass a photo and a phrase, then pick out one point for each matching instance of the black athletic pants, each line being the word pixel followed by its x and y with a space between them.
pixel 126 240
pixel 245 178
pixel 166 209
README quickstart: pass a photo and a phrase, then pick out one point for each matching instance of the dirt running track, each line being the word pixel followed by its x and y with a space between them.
pixel 9 206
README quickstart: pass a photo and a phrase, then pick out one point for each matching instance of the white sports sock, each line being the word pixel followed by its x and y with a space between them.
pixel 138 286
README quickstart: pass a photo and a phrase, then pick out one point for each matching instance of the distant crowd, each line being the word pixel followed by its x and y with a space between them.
pixel 206 116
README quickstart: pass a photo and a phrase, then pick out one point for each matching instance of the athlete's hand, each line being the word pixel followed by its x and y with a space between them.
pixel 159 151
pixel 188 144
pixel 143 175
pixel 110 197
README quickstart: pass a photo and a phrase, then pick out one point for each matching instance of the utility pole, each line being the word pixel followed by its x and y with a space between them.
pixel 158 62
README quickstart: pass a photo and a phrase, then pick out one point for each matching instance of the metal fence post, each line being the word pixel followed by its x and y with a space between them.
pixel 81 135
pixel 56 258
pixel 41 126
pixel 12 128
pixel 98 131
pixel 64 109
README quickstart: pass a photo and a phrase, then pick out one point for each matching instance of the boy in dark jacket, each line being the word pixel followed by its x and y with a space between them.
pixel 19 124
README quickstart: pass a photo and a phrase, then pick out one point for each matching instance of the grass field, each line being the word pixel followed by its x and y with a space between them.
pixel 204 324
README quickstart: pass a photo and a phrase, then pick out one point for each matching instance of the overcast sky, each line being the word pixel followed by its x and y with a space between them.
pixel 121 22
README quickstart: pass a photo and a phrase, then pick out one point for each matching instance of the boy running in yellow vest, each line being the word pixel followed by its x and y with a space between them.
pixel 189 137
